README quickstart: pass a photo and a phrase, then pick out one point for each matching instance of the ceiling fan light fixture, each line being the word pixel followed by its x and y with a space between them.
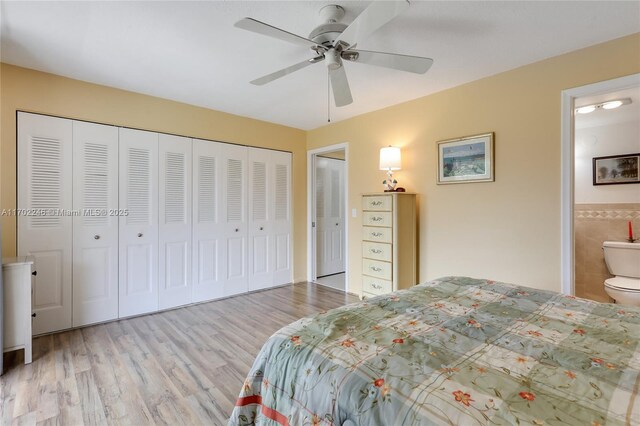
pixel 333 59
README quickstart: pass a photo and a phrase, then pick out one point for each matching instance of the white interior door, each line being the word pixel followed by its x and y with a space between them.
pixel 261 259
pixel 174 236
pixel 44 192
pixel 329 216
pixel 279 196
pixel 138 284
pixel 209 244
pixel 95 230
pixel 234 219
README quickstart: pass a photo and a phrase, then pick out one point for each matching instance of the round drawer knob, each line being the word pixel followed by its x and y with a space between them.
pixel 96 237
pixel 139 234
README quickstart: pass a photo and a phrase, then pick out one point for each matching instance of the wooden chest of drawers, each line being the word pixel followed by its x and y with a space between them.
pixel 389 242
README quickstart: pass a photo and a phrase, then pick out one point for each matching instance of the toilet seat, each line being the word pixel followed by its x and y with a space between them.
pixel 623 284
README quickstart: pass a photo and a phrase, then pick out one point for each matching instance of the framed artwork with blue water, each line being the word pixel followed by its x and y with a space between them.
pixel 464 160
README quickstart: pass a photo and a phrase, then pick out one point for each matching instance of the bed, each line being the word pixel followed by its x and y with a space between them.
pixel 458 351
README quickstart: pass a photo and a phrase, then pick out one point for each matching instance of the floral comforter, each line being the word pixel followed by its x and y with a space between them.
pixel 458 351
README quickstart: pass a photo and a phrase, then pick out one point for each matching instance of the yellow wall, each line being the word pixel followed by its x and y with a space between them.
pixel 28 90
pixel 506 230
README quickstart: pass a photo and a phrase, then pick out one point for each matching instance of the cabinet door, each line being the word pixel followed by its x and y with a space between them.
pixel 138 284
pixel 174 273
pixel 208 203
pixel 44 192
pixel 261 258
pixel 234 218
pixel 95 229
pixel 280 214
pixel 330 216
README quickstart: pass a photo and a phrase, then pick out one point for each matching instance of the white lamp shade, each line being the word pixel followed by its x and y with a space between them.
pixel 390 158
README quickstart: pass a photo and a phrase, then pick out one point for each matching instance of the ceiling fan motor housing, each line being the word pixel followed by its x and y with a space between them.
pixel 327 32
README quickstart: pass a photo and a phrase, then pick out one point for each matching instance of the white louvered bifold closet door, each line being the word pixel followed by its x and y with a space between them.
pixel 261 260
pixel 208 231
pixel 330 236
pixel 138 284
pixel 95 229
pixel 234 217
pixel 44 195
pixel 279 202
pixel 174 273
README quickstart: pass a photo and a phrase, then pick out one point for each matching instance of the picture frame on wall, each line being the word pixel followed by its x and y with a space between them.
pixel 616 169
pixel 465 160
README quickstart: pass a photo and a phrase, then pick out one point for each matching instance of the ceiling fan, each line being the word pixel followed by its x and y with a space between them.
pixel 334 42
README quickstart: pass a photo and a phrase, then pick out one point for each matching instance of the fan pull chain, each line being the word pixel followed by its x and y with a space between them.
pixel 328 96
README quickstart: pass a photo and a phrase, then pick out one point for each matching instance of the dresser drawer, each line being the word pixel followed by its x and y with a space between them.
pixel 376 268
pixel 382 235
pixel 377 202
pixel 378 251
pixel 377 218
pixel 376 285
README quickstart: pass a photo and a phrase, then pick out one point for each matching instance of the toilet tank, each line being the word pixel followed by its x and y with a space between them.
pixel 622 258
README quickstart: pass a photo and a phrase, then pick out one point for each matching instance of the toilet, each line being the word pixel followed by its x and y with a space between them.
pixel 623 261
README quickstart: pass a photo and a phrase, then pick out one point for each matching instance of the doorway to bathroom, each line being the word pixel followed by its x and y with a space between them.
pixel 600 166
pixel 328 188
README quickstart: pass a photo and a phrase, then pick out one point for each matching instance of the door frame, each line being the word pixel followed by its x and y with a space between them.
pixel 567 240
pixel 311 211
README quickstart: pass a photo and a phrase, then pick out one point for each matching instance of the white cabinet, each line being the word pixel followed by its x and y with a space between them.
pixel 16 276
pixel 330 235
pixel 174 233
pixel 44 230
pixel 95 229
pixel 138 266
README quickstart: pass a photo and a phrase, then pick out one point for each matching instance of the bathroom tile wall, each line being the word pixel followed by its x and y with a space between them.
pixel 594 224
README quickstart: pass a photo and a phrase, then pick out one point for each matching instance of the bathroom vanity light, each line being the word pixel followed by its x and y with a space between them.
pixel 586 109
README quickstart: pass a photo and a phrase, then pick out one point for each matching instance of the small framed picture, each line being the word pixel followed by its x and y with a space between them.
pixel 616 169
pixel 468 159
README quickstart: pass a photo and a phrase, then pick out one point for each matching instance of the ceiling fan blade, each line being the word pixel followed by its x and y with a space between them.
pixel 285 71
pixel 252 25
pixel 340 86
pixel 415 64
pixel 373 17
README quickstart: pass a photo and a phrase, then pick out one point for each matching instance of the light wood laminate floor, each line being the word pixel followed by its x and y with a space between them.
pixel 179 367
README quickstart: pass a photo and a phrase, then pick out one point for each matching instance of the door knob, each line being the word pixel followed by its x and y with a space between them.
pixel 261 228
pixel 140 235
pixel 336 224
pixel 96 237
pixel 34 273
pixel 237 229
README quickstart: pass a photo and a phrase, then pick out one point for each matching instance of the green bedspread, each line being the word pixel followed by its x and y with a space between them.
pixel 456 351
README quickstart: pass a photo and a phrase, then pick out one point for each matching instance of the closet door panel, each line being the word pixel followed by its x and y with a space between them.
pixel 261 260
pixel 174 277
pixel 44 230
pixel 208 229
pixel 330 216
pixel 138 266
pixel 234 217
pixel 280 223
pixel 95 229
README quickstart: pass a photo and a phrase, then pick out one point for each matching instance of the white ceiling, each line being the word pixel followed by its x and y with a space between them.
pixel 604 117
pixel 190 51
